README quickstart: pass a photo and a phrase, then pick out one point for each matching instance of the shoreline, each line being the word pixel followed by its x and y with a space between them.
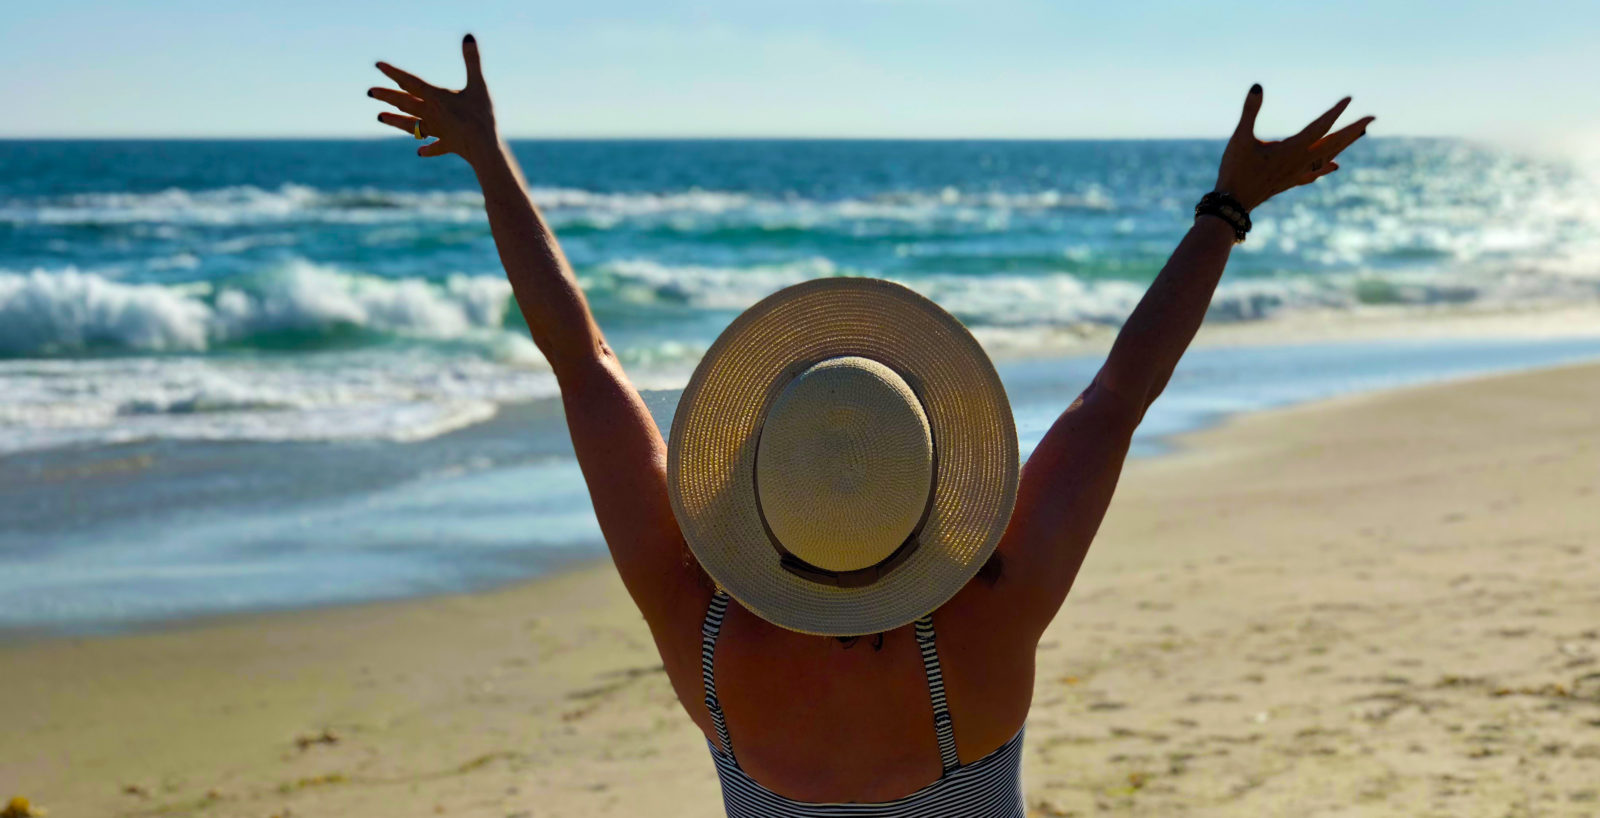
pixel 504 498
pixel 1174 446
pixel 1384 597
pixel 1376 323
pixel 1171 445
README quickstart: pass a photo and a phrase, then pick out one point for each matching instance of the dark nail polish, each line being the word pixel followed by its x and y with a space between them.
pixel 471 40
pixel 1255 89
pixel 380 117
pixel 369 92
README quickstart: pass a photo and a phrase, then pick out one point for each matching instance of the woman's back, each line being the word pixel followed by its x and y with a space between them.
pixel 821 721
pixel 815 719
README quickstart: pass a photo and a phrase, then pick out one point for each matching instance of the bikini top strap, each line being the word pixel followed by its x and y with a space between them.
pixel 708 646
pixel 942 727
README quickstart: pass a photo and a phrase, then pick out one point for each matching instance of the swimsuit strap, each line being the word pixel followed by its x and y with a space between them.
pixel 942 726
pixel 941 709
pixel 708 647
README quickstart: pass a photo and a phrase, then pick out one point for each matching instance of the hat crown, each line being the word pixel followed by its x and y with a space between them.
pixel 844 464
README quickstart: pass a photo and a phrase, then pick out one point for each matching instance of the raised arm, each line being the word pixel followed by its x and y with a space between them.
pixel 1068 481
pixel 618 446
pixel 1158 332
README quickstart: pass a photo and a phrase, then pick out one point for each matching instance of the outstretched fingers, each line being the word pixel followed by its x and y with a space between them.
pixel 1252 106
pixel 399 99
pixel 410 82
pixel 438 148
pixel 404 123
pixel 1334 144
pixel 1320 125
pixel 469 54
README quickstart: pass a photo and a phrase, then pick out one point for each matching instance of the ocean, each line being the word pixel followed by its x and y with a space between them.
pixel 238 375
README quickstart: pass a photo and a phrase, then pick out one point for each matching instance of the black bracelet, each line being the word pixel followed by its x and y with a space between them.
pixel 1226 208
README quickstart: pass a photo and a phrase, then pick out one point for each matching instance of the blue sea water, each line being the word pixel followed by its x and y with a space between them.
pixel 302 290
pixel 243 375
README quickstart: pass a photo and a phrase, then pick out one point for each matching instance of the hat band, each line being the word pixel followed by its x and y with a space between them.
pixel 856 577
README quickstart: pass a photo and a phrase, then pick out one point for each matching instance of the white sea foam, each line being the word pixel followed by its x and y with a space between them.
pixel 689 209
pixel 304 296
pixel 701 286
pixel 415 391
pixel 470 364
pixel 365 394
pixel 53 312
pixel 1061 300
pixel 243 204
pixel 1371 215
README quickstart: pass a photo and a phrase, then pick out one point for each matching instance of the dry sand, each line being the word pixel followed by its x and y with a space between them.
pixel 1385 605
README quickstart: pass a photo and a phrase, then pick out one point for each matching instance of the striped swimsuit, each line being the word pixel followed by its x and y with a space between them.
pixel 990 787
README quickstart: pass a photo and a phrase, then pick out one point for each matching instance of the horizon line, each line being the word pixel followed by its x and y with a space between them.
pixel 652 138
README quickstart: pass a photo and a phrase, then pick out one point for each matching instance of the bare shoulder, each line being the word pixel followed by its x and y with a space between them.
pixel 987 657
pixel 676 606
pixel 675 615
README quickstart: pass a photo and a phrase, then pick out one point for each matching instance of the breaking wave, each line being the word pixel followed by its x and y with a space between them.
pixel 299 304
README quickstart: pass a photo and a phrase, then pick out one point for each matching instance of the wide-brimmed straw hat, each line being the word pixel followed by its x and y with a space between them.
pixel 844 458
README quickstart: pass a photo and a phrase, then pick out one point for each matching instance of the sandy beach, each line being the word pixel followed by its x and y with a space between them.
pixel 1374 605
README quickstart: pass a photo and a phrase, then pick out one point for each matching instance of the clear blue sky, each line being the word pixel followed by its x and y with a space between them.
pixel 920 68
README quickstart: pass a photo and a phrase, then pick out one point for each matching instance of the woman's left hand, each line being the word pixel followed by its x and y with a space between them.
pixel 1254 171
pixel 462 120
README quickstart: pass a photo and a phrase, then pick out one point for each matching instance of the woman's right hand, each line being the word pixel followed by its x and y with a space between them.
pixel 1254 171
pixel 462 120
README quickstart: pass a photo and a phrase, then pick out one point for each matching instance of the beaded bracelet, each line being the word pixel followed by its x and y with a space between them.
pixel 1228 209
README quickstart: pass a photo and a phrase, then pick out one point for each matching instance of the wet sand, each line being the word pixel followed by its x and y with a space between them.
pixel 1377 605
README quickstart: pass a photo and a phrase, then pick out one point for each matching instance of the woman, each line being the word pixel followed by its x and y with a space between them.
pixel 843 463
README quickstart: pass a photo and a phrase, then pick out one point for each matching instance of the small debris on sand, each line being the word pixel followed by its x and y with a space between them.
pixel 19 807
pixel 306 742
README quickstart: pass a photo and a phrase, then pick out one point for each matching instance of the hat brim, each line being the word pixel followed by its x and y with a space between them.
pixel 712 448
